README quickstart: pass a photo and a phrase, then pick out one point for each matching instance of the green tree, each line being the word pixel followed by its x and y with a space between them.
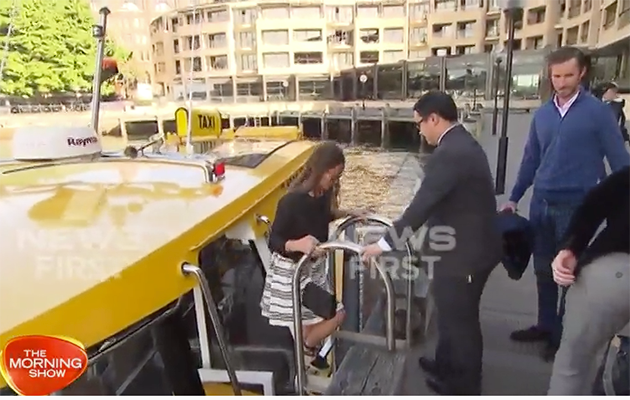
pixel 51 48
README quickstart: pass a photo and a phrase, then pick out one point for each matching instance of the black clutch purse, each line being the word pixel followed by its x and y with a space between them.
pixel 319 301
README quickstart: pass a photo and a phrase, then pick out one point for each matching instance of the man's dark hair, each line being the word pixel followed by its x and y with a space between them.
pixel 603 88
pixel 436 102
pixel 567 53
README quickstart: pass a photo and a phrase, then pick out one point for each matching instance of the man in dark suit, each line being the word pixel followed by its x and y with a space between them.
pixel 456 197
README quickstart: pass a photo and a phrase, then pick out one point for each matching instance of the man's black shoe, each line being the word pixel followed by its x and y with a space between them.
pixel 436 386
pixel 429 366
pixel 549 352
pixel 531 334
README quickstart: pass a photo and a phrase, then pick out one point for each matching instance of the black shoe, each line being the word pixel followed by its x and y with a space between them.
pixel 436 386
pixel 549 352
pixel 429 366
pixel 531 334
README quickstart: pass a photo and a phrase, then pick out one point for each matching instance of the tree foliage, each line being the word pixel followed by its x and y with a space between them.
pixel 51 48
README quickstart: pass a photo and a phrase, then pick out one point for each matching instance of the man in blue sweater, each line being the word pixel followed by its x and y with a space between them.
pixel 569 138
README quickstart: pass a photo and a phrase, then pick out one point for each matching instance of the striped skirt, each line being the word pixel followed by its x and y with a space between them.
pixel 277 297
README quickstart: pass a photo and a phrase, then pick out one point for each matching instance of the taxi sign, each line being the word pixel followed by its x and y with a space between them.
pixel 205 123
pixel 39 143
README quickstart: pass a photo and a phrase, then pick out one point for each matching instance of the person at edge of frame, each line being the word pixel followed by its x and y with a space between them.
pixel 598 273
pixel 569 137
pixel 456 196
pixel 608 92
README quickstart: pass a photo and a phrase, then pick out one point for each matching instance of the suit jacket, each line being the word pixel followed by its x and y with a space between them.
pixel 457 199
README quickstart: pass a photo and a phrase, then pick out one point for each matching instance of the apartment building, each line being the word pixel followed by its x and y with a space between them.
pixel 129 23
pixel 314 39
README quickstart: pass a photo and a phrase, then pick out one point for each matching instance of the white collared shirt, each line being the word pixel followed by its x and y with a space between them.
pixel 563 109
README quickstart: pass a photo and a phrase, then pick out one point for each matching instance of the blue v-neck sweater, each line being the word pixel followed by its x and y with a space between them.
pixel 564 156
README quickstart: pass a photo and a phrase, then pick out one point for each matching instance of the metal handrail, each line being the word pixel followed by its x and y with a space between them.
pixel 297 305
pixel 376 219
pixel 189 269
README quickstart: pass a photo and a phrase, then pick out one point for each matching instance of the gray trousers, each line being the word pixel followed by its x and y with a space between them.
pixel 597 308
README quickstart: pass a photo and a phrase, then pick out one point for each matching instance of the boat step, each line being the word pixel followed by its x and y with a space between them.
pixel 317 385
pixel 368 339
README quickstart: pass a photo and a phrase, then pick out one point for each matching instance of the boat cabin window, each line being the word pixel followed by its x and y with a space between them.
pixel 237 278
pixel 247 153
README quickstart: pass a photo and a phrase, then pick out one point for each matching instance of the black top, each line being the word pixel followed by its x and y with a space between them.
pixel 299 214
pixel 610 201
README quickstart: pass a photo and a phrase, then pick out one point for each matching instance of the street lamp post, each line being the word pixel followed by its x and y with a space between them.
pixel 512 9
pixel 285 91
pixel 495 94
pixel 363 78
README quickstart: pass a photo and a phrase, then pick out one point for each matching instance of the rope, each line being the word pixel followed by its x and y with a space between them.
pixel 12 16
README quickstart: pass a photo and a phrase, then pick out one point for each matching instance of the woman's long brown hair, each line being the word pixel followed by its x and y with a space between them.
pixel 326 156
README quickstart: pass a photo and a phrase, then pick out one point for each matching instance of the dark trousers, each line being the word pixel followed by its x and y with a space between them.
pixel 549 221
pixel 459 351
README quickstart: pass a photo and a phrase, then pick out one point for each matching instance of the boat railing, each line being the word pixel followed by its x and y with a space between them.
pixel 215 320
pixel 377 220
pixel 208 165
pixel 297 307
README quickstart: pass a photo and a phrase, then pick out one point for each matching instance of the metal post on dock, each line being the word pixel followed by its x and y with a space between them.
pixel 98 32
pixel 324 126
pixel 495 91
pixel 385 126
pixel 354 132
pixel 512 9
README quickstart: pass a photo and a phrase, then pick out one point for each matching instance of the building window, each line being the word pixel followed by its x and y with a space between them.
pixel 248 62
pixel 176 46
pixel 174 24
pixel 193 19
pixel 368 57
pixel 445 5
pixel 196 64
pixel 214 63
pixel 313 57
pixel 307 35
pixel 178 67
pixel 393 35
pixel 218 16
pixel 246 16
pixel 278 90
pixel 342 60
pixel 217 41
pixel 464 50
pixel 393 11
pixel 367 11
pixel 584 32
pixel 314 89
pixel 192 42
pixel 393 56
pixel 306 12
pixel 276 38
pixel 418 12
pixel 418 36
pixel 342 14
pixel 276 60
pixel 246 40
pixel 249 89
pixel 341 38
pixel 369 35
pixel 275 13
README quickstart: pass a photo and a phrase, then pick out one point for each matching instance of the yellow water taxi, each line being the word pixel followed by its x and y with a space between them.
pixel 155 261
pixel 90 232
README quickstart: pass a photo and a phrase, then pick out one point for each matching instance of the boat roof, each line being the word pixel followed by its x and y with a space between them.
pixel 83 240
